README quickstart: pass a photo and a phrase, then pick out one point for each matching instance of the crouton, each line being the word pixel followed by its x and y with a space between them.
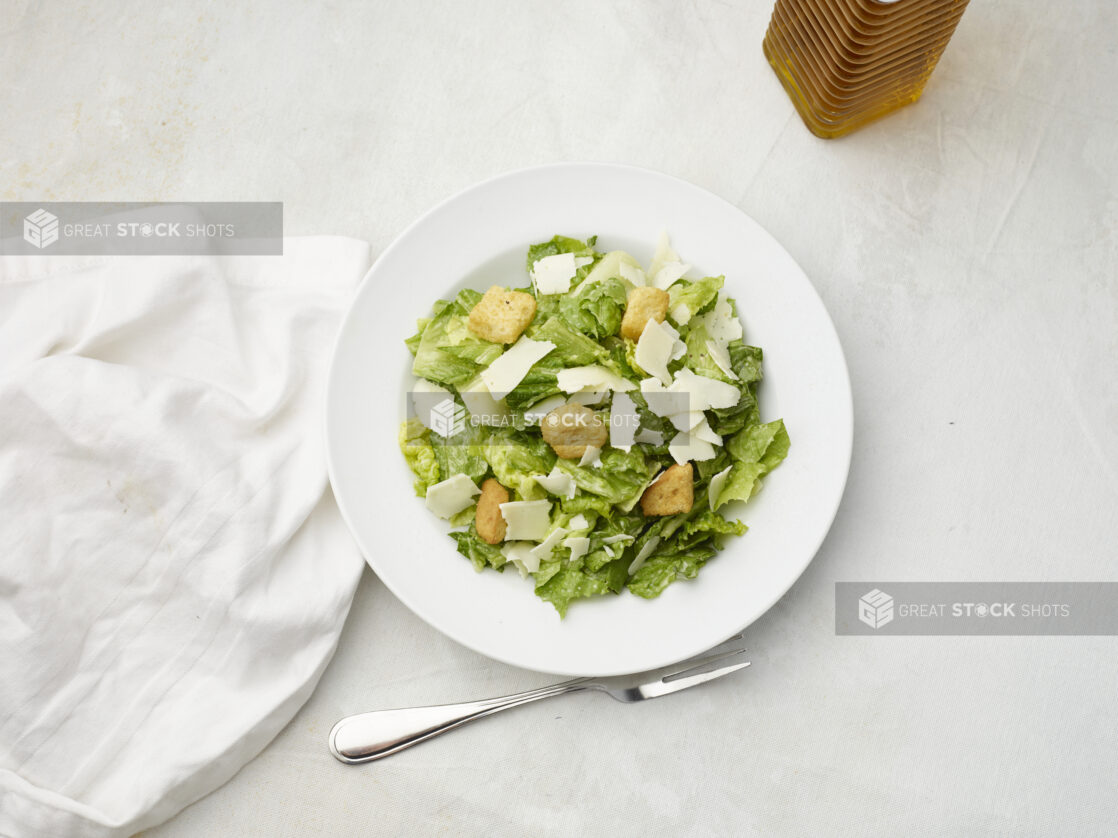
pixel 502 316
pixel 569 429
pixel 646 303
pixel 673 492
pixel 488 520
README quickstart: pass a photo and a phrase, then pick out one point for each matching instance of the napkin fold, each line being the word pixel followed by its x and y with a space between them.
pixel 174 574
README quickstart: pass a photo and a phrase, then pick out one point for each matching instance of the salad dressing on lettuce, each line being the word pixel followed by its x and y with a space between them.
pixel 594 422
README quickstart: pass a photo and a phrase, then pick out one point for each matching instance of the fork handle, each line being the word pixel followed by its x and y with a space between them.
pixel 381 733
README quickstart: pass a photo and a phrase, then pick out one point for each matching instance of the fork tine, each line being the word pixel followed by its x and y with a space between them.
pixel 729 646
pixel 696 665
pixel 659 688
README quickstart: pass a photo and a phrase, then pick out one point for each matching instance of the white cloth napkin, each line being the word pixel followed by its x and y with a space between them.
pixel 174 574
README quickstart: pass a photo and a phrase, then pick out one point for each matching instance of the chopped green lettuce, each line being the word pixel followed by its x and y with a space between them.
pixel 570 583
pixel 481 553
pixel 755 451
pixel 462 453
pixel 696 295
pixel 583 325
pixel 572 349
pixel 515 456
pixel 609 267
pixel 415 442
pixel 447 352
pixel 620 475
pixel 664 567
pixel 563 244
pixel 595 308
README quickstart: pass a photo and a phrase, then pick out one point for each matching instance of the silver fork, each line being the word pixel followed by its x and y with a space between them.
pixel 381 733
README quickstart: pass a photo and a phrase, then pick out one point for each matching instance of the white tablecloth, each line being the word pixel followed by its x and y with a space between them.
pixel 966 248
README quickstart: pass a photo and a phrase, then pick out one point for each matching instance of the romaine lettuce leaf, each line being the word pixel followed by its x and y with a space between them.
pixel 463 453
pixel 595 308
pixel 745 360
pixel 563 244
pixel 448 352
pixel 412 343
pixel 706 525
pixel 620 475
pixel 571 583
pixel 586 503
pixel 609 267
pixel 540 382
pixel 756 450
pixel 415 443
pixel 729 420
pixel 479 552
pixel 515 456
pixel 664 567
pixel 696 295
pixel 698 357
pixel 572 349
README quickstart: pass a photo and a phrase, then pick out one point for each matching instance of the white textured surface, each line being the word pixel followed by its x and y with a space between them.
pixel 967 250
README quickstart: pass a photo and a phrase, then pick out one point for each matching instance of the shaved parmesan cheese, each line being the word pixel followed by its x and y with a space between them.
pixel 553 274
pixel 527 520
pixel 721 324
pixel 669 275
pixel 544 550
pixel 520 554
pixel 535 414
pixel 609 551
pixel 706 393
pixel 679 348
pixel 614 539
pixel 649 437
pixel 557 483
pixel 509 369
pixel 592 377
pixel 588 397
pixel 608 266
pixel 425 395
pixel 686 421
pixel 654 351
pixel 702 393
pixel 663 255
pixel 690 448
pixel 717 484
pixel 590 456
pixel 481 403
pixel 632 273
pixel 721 357
pixel 579 546
pixel 702 431
pixel 623 421
pixel 579 522
pixel 645 552
pixel 451 496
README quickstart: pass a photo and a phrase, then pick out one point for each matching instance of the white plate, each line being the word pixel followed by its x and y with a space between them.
pixel 480 238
